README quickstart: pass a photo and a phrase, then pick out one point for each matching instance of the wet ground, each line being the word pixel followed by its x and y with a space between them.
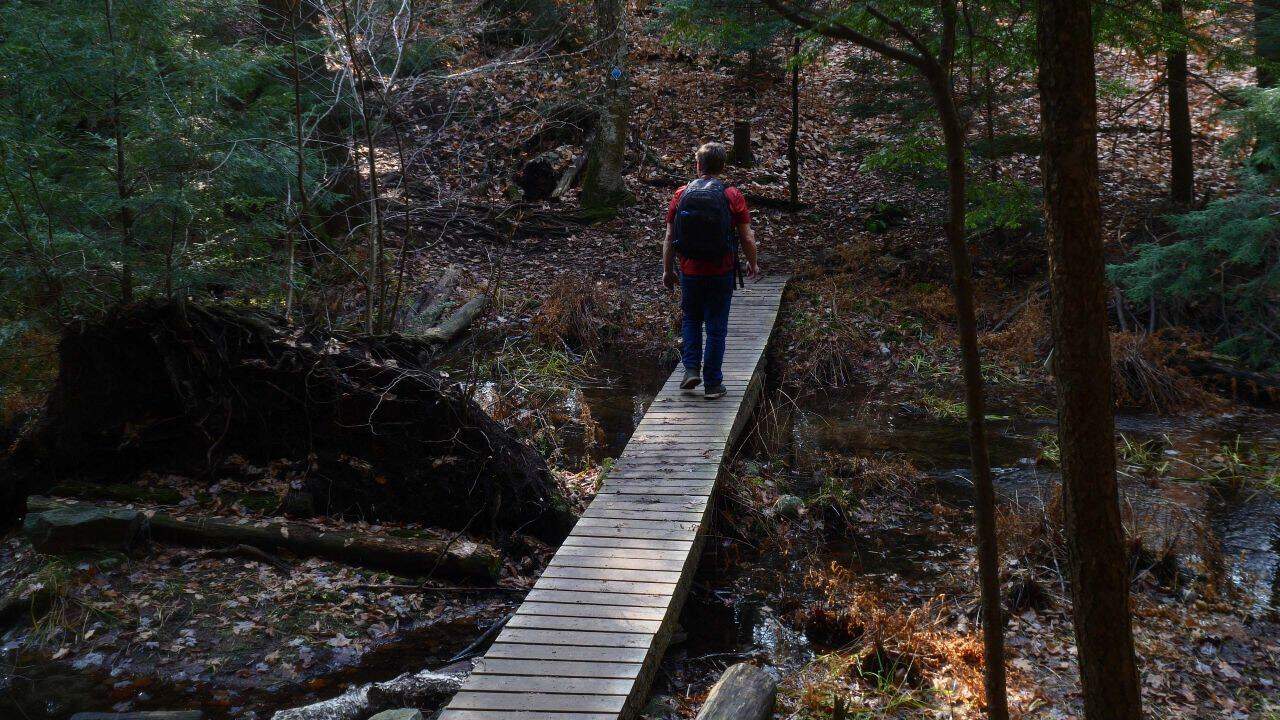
pixel 1195 486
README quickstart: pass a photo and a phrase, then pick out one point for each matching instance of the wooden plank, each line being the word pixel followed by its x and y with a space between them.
pixel 667 512
pixel 545 702
pixel 656 504
pixel 558 668
pixel 578 638
pixel 665 525
pixel 607 586
pixel 485 682
pixel 614 573
pixel 632 533
pixel 587 624
pixel 611 550
pixel 654 490
pixel 601 561
pixel 451 714
pixel 580 610
pixel 606 599
pixel 577 653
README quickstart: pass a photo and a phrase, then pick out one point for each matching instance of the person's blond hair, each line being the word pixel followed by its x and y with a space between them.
pixel 712 157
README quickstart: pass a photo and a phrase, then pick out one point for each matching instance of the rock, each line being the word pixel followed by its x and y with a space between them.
pixel 661 707
pixel 83 528
pixel 788 506
pixel 398 714
pixel 144 715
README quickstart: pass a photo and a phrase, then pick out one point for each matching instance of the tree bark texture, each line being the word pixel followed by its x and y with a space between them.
pixel 602 185
pixel 1181 160
pixel 1082 362
pixel 742 154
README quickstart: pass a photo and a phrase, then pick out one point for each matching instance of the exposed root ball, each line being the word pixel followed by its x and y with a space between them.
pixel 171 387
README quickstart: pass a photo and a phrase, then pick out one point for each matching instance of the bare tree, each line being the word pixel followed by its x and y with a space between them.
pixel 908 46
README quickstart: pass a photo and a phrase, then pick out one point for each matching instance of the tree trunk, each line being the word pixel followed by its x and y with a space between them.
pixel 124 214
pixel 411 558
pixel 1181 160
pixel 742 155
pixel 1266 25
pixel 793 137
pixel 1082 363
pixel 373 279
pixel 602 185
pixel 975 402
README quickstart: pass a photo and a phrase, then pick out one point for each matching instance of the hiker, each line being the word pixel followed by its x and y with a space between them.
pixel 706 223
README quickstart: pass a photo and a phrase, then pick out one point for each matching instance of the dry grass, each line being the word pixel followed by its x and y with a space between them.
pixel 1143 379
pixel 935 302
pixel 823 332
pixel 579 314
pixel 897 652
pixel 1024 338
pixel 28 366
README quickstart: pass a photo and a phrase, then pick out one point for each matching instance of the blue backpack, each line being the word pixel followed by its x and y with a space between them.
pixel 703 223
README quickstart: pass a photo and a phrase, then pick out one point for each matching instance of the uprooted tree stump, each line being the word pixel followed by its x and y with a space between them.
pixel 175 387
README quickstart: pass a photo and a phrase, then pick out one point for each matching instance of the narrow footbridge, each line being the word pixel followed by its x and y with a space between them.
pixel 589 636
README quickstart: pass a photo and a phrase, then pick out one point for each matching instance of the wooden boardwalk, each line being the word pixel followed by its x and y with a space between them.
pixel 589 636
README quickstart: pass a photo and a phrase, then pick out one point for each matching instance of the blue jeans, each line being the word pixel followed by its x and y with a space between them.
pixel 704 300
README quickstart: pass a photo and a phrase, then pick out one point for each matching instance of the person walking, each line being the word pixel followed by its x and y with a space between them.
pixel 707 223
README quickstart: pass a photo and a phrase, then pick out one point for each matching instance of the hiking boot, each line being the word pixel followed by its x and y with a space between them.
pixel 715 391
pixel 692 379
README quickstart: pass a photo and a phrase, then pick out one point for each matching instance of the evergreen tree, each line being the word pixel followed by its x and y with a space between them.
pixel 145 151
pixel 1224 263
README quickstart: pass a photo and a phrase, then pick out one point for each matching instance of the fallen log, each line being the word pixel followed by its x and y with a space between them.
pixel 171 387
pixel 456 323
pixel 458 559
pixel 439 299
pixel 424 690
pixel 743 692
pixel 570 176
pixel 753 199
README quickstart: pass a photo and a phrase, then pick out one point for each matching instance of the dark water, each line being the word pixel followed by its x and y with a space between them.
pixel 34 686
pixel 1171 476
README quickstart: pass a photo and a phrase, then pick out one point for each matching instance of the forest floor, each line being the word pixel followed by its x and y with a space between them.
pixel 864 590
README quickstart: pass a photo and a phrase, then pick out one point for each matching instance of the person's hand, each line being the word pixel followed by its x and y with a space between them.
pixel 669 279
pixel 753 271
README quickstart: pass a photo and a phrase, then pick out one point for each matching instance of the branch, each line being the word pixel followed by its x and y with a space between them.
pixel 902 30
pixel 840 31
